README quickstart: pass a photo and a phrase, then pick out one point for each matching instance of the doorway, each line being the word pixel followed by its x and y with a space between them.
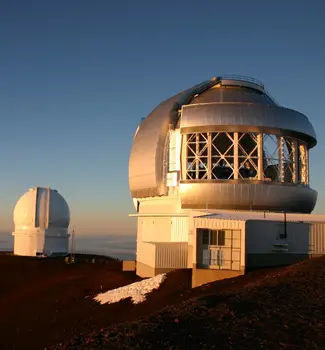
pixel 218 249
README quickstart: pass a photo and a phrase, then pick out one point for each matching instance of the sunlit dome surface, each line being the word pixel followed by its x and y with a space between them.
pixel 41 207
pixel 225 144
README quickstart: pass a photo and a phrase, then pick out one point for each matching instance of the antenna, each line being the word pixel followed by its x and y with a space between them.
pixel 72 246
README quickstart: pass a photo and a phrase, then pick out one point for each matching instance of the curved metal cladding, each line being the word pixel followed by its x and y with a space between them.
pixel 247 117
pixel 59 212
pixel 252 196
pixel 232 94
pixel 219 105
pixel 148 153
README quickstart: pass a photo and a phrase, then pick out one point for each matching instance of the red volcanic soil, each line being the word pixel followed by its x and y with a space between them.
pixel 45 300
pixel 280 308
pixel 45 303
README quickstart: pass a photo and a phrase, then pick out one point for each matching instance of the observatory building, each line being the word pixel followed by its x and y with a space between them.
pixel 41 219
pixel 218 174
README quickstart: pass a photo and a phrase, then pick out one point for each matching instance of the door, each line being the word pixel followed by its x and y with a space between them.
pixel 218 249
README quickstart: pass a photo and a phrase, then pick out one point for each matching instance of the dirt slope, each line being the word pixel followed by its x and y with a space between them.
pixel 270 309
pixel 45 300
pixel 45 303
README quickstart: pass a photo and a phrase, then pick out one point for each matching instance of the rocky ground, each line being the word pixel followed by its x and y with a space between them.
pixel 45 303
pixel 269 309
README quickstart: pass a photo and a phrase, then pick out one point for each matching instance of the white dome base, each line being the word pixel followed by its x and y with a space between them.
pixel 41 218
pixel 41 242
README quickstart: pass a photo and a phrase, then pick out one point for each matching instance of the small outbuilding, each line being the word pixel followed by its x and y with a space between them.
pixel 228 243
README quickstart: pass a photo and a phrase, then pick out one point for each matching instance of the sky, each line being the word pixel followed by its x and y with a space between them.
pixel 77 76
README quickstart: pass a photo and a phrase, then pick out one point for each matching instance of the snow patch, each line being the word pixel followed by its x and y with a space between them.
pixel 137 291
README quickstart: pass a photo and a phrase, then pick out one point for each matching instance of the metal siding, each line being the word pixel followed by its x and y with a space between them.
pixel 205 222
pixel 266 116
pixel 148 153
pixel 171 255
pixel 263 237
pixel 317 238
pixel 179 229
pixel 42 207
pixel 260 215
pixel 259 196
pixel 222 94
pixel 148 158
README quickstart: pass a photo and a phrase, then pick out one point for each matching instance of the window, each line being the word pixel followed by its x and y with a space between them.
pixel 245 156
pixel 221 237
pixel 212 237
pixel 271 168
pixel 197 156
pixel 222 155
pixel 302 163
pixel 205 236
pixel 289 151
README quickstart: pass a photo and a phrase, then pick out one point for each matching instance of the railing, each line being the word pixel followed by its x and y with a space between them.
pixel 248 79
pixel 242 78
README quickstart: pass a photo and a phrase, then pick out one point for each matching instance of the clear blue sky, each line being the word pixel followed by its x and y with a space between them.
pixel 77 76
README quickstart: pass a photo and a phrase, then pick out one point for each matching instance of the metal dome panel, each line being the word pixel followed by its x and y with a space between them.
pixel 148 153
pixel 246 117
pixel 251 196
pixel 243 115
pixel 232 94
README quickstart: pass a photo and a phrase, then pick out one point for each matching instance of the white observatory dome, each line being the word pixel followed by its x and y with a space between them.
pixel 41 219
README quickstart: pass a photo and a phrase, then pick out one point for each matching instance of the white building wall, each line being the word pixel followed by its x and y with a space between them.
pixel 262 236
pixel 156 229
pixel 162 241
pixel 146 253
pixel 179 229
pixel 28 243
pixel 32 242
pixel 56 244
pixel 157 205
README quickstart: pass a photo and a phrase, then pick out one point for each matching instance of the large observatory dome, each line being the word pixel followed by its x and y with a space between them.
pixel 41 219
pixel 41 207
pixel 224 144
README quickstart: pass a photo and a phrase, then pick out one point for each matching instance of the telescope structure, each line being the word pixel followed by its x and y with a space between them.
pixel 41 219
pixel 223 147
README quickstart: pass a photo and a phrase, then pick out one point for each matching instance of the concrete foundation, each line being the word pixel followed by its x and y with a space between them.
pixel 128 265
pixel 204 276
pixel 144 270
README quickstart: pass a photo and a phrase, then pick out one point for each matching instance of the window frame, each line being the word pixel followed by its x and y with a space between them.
pixel 286 162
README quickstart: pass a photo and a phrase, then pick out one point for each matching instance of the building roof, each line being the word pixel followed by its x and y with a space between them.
pixel 262 216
